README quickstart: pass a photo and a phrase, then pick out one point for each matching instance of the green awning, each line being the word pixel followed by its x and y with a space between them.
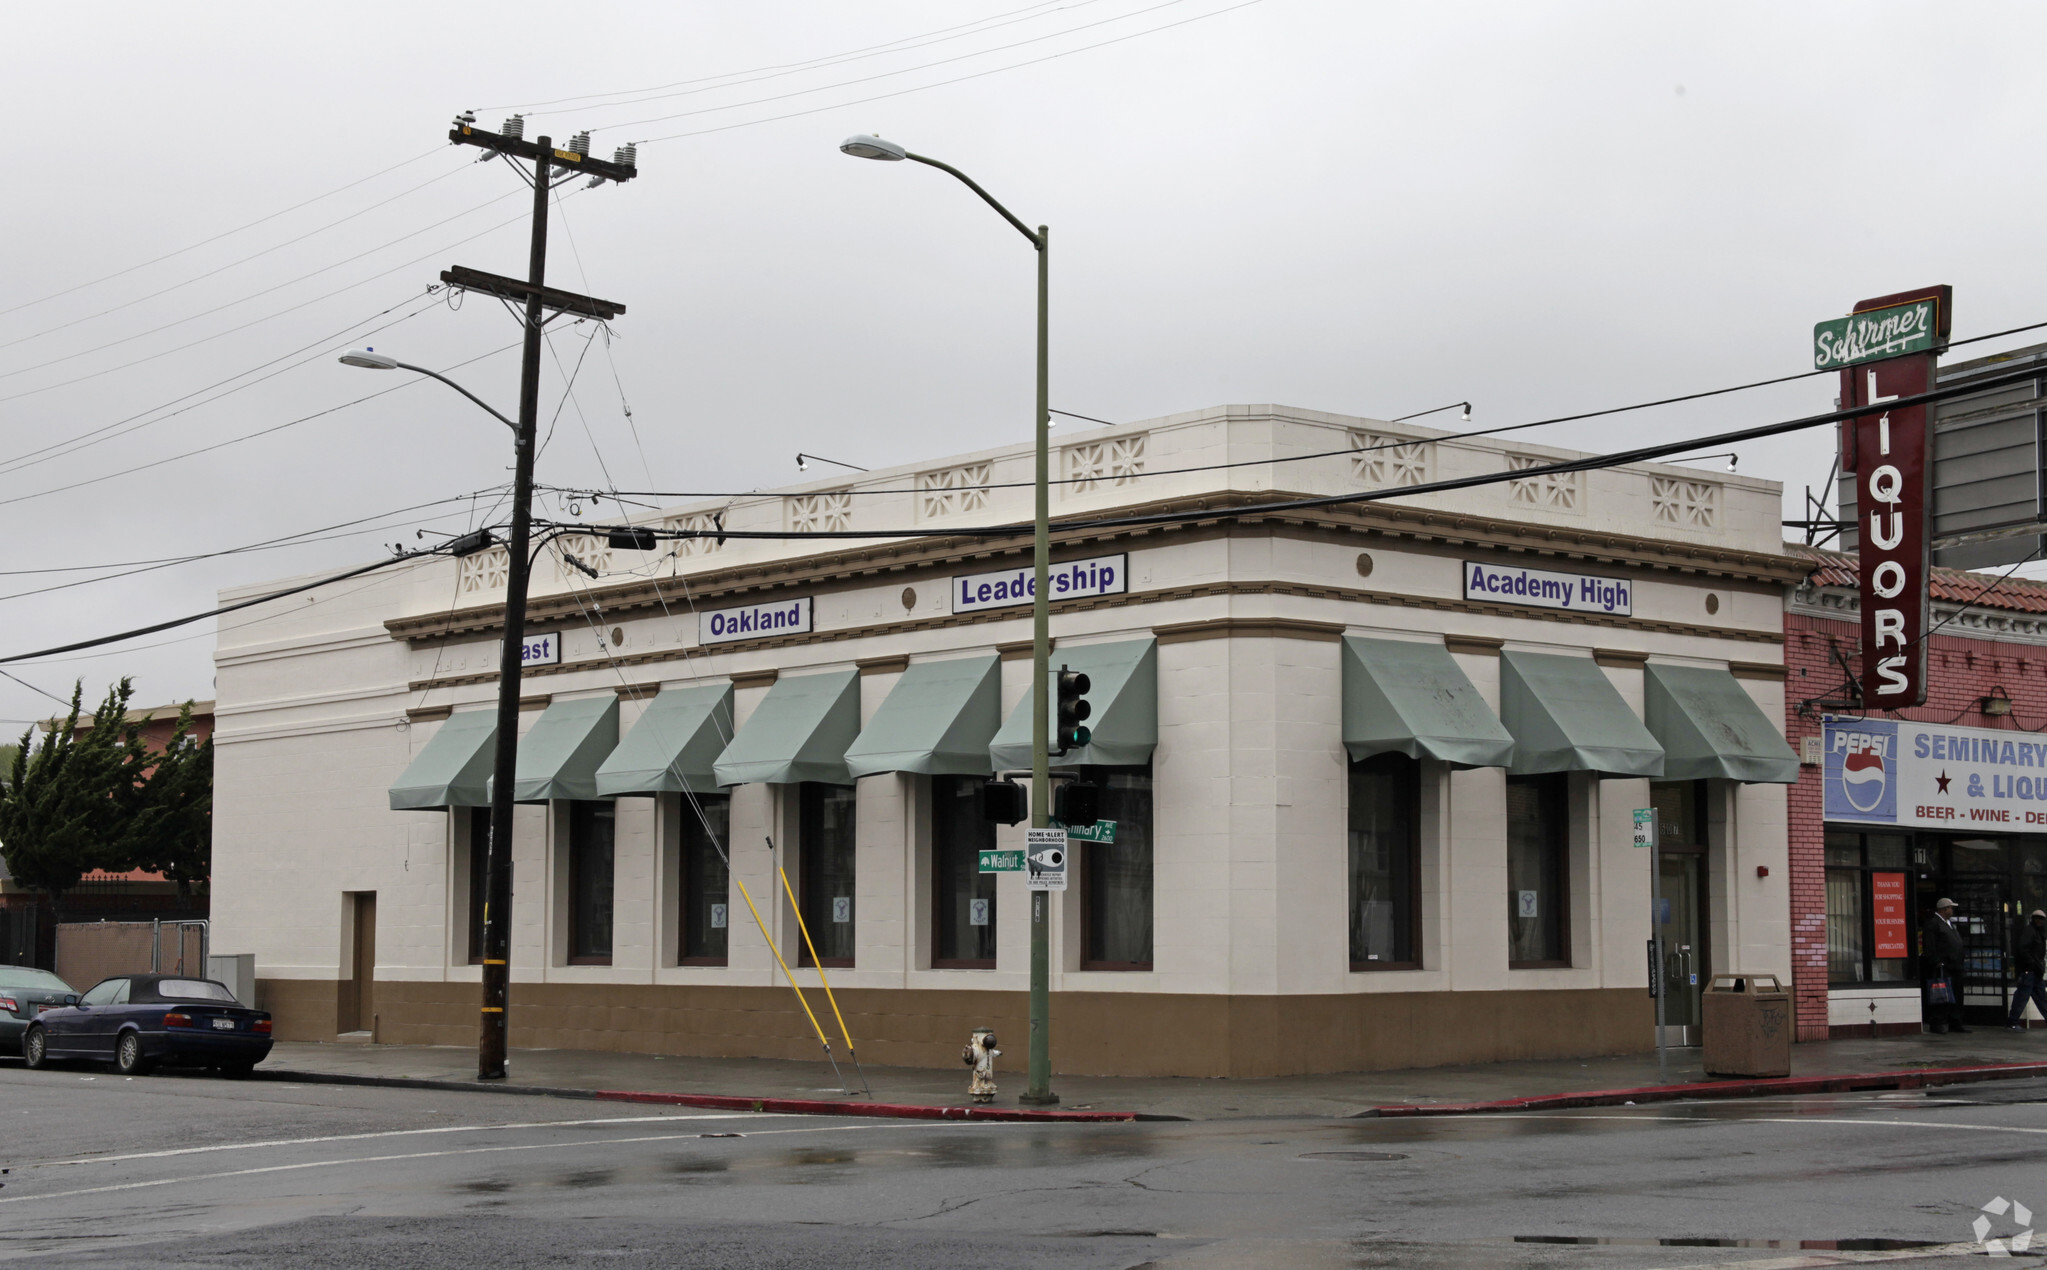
pixel 560 753
pixel 1410 698
pixel 1711 727
pixel 937 721
pixel 799 732
pixel 453 768
pixel 671 749
pixel 1124 695
pixel 1566 716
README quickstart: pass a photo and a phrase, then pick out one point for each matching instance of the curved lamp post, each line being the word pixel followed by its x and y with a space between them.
pixel 1039 1088
pixel 497 905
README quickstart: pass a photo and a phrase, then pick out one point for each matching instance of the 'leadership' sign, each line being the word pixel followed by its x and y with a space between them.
pixel 1891 772
pixel 1075 579
pixel 1546 590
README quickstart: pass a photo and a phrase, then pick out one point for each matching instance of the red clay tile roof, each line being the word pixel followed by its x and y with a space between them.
pixel 1957 586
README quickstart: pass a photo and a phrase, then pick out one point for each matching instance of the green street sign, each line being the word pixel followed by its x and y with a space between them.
pixel 1100 831
pixel 1002 862
pixel 1645 826
pixel 1875 335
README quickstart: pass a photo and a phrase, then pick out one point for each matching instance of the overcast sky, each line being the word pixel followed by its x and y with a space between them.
pixel 1355 207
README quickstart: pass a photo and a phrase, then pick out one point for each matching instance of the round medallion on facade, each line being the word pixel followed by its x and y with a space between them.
pixel 909 597
pixel 1364 564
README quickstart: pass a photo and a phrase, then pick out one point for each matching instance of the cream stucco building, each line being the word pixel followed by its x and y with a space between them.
pixel 1373 767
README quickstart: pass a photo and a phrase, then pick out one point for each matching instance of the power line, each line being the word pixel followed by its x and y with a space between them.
pixel 943 83
pixel 107 432
pixel 247 436
pixel 253 295
pixel 273 316
pixel 782 67
pixel 225 608
pixel 225 233
pixel 232 264
pixel 868 79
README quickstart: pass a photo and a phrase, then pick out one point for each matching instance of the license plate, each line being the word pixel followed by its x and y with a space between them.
pixel 224 1025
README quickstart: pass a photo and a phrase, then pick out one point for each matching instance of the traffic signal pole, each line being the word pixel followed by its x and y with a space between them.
pixel 1038 1088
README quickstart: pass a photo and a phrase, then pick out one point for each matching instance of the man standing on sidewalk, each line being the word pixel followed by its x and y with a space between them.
pixel 1941 949
pixel 2029 954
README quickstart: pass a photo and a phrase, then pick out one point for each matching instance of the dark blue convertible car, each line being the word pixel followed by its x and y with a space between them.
pixel 138 1021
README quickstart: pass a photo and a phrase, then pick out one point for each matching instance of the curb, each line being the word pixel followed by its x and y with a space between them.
pixel 1780 1086
pixel 715 1102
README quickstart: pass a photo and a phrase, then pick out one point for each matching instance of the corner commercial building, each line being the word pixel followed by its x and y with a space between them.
pixel 1373 768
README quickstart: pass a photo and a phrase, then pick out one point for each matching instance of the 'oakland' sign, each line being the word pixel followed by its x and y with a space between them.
pixel 1075 579
pixel 1876 334
pixel 755 621
pixel 1543 589
pixel 1893 772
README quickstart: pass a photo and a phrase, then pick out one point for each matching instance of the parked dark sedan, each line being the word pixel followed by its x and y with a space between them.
pixel 138 1021
pixel 24 993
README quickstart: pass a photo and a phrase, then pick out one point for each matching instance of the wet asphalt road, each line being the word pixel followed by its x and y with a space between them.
pixel 194 1171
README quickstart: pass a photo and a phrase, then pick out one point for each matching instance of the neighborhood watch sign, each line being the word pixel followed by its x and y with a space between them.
pixel 1890 772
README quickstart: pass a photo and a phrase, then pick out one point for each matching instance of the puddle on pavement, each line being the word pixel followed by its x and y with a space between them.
pixel 1691 1241
pixel 1356 1157
pixel 586 1179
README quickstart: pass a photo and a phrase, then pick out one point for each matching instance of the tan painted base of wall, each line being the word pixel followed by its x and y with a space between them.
pixel 1094 1033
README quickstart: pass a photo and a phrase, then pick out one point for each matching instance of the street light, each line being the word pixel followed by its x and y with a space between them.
pixel 371 359
pixel 1039 1087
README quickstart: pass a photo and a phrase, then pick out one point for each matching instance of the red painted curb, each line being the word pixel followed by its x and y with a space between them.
pixel 1778 1086
pixel 887 1110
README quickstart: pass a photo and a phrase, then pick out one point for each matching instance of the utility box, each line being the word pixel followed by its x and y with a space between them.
pixel 237 971
pixel 1747 1026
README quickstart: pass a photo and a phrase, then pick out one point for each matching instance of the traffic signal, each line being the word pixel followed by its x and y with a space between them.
pixel 1070 712
pixel 1004 802
pixel 1077 805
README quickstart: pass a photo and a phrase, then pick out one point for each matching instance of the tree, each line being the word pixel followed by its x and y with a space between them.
pixel 171 831
pixel 71 800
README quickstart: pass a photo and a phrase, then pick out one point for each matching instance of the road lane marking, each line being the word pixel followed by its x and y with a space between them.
pixel 530 1146
pixel 1813 1260
pixel 401 1133
pixel 1652 1118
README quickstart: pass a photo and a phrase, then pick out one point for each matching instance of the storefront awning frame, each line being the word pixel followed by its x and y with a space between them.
pixel 1710 728
pixel 1123 694
pixel 1409 697
pixel 560 754
pixel 672 747
pixel 1566 716
pixel 938 720
pixel 799 732
pixel 453 768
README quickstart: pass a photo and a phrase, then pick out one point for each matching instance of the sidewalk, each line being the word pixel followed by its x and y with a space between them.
pixel 1419 1091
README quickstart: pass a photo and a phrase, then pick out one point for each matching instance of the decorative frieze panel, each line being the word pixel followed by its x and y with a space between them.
pixel 1685 504
pixel 828 512
pixel 692 522
pixel 952 491
pixel 485 571
pixel 1092 465
pixel 1550 491
pixel 592 549
pixel 1383 461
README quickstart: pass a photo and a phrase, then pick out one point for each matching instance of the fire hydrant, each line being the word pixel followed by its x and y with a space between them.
pixel 980 1054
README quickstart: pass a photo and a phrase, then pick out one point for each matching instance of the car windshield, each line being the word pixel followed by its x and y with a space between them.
pixel 193 990
pixel 28 977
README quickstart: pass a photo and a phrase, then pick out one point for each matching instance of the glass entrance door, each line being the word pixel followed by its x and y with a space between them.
pixel 1682 923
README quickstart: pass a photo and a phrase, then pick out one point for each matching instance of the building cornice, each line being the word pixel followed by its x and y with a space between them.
pixel 856 565
pixel 1840 604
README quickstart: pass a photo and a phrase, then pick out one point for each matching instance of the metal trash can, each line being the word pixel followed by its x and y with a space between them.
pixel 1747 1026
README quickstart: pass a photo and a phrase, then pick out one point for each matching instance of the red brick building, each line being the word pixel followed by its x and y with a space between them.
pixel 1988 669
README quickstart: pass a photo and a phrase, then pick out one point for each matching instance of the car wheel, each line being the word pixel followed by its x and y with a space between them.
pixel 128 1057
pixel 35 1047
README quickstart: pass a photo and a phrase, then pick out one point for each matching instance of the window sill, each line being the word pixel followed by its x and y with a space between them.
pixel 1116 965
pixel 829 963
pixel 702 961
pixel 1366 967
pixel 1538 965
pixel 946 963
pixel 589 961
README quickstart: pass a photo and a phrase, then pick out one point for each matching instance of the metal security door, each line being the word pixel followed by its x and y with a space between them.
pixel 1980 917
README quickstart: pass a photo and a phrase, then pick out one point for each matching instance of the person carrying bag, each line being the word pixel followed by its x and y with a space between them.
pixel 1942 950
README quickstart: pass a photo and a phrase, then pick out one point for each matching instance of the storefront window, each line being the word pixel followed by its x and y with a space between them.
pixel 1680 814
pixel 1870 934
pixel 1538 854
pixel 1116 891
pixel 706 911
pixel 591 837
pixel 1385 861
pixel 479 878
pixel 963 897
pixel 825 850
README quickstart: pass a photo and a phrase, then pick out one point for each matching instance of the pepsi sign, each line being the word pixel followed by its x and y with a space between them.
pixel 1893 772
